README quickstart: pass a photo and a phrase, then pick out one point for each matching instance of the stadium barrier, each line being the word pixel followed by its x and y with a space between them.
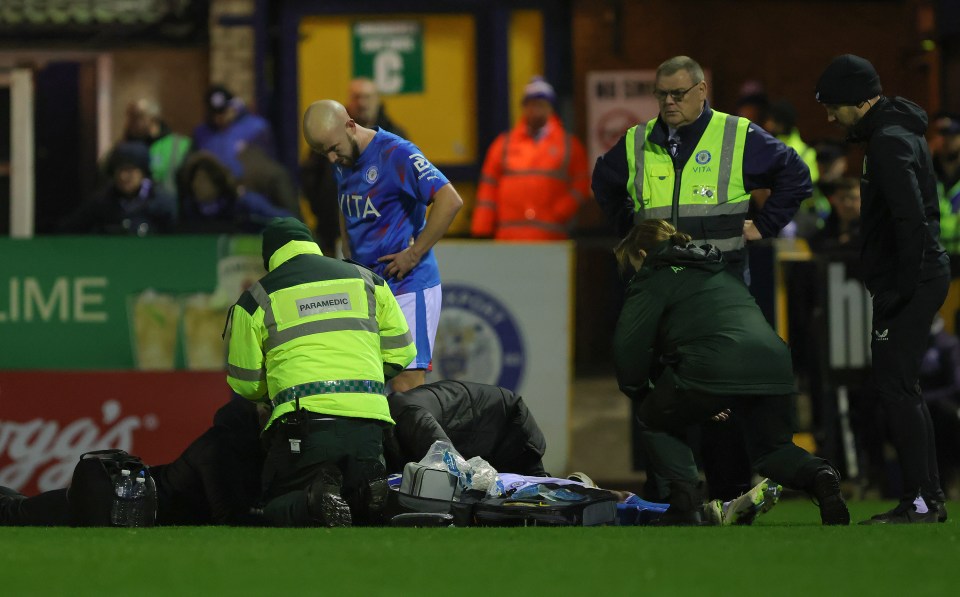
pixel 116 342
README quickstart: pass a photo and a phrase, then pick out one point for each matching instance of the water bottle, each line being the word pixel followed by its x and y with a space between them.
pixel 120 512
pixel 138 503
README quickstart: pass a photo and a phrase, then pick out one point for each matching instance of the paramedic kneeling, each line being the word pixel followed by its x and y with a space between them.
pixel 318 338
pixel 690 343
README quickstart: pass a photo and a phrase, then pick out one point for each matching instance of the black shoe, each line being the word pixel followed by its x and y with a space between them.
pixel 941 512
pixel 905 513
pixel 826 490
pixel 324 503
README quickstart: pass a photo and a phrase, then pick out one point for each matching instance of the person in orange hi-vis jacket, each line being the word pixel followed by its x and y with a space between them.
pixel 534 177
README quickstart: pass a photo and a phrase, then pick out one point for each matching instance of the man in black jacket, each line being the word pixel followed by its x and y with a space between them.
pixel 905 268
pixel 477 419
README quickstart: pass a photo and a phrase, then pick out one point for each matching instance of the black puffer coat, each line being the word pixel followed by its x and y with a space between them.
pixel 478 419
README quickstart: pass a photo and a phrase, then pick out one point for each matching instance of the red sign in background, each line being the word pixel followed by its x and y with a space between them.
pixel 49 418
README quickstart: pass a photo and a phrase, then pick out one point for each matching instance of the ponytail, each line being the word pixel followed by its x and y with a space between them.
pixel 644 236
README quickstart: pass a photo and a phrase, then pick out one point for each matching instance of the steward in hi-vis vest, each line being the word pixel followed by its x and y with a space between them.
pixel 705 198
pixel 318 338
pixel 696 167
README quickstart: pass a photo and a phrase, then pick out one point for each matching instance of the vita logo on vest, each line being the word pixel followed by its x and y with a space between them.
pixel 703 158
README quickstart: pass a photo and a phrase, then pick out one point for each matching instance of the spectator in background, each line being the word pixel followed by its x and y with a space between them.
pixel 167 149
pixel 753 102
pixel 244 143
pixel 946 163
pixel 365 107
pixel 267 176
pixel 230 129
pixel 213 202
pixel 130 203
pixel 842 227
pixel 781 122
pixel 831 167
pixel 535 176
pixel 316 173
pixel 831 163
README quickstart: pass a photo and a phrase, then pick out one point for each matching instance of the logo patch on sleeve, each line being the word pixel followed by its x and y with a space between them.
pixel 327 303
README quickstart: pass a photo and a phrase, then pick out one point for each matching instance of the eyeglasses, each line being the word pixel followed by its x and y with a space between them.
pixel 676 94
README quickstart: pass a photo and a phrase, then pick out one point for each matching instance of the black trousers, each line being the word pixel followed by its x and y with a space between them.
pixel 898 342
pixel 352 446
pixel 48 509
pixel 767 422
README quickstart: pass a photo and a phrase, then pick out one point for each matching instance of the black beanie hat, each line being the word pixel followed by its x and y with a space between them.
pixel 848 81
pixel 279 232
pixel 129 153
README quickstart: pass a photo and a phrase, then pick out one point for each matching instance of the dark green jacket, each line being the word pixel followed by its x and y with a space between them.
pixel 684 311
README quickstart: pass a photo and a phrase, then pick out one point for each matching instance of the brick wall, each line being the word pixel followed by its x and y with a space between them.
pixel 176 77
pixel 785 44
pixel 232 48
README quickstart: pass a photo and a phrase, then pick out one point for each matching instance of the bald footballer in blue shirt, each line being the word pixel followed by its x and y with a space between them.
pixel 385 184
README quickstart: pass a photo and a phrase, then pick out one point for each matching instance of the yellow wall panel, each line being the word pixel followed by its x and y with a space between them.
pixel 525 54
pixel 441 120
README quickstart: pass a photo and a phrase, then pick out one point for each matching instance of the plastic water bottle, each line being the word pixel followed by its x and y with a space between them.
pixel 138 503
pixel 120 512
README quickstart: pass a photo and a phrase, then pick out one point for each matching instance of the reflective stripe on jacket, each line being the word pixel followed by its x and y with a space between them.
pixel 531 189
pixel 708 200
pixel 319 332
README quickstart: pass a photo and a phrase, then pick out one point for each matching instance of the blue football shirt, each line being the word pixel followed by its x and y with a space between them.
pixel 384 199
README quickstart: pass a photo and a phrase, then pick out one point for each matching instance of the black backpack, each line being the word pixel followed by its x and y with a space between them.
pixel 91 492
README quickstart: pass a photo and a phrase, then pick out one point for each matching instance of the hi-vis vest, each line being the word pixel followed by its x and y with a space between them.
pixel 949 219
pixel 320 334
pixel 707 200
pixel 531 189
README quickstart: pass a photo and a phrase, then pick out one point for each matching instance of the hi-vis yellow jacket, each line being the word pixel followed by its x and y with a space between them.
pixel 319 332
pixel 707 199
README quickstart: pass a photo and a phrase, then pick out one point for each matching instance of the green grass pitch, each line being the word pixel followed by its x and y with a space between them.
pixel 786 552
